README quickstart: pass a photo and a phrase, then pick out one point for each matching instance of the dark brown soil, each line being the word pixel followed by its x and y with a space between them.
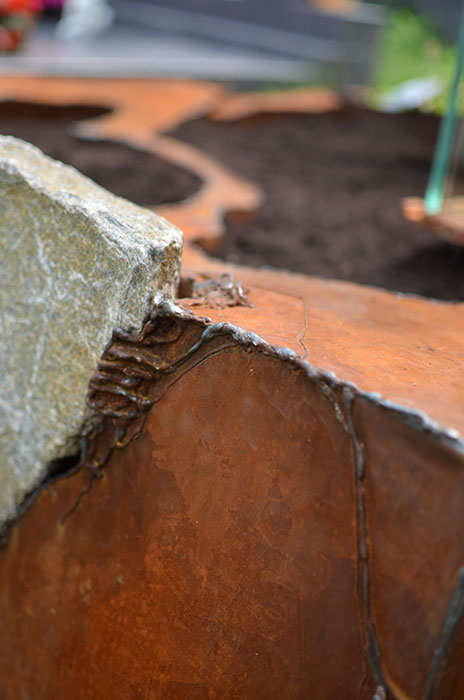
pixel 334 185
pixel 136 175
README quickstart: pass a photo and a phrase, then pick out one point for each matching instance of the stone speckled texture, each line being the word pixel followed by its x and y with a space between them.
pixel 77 262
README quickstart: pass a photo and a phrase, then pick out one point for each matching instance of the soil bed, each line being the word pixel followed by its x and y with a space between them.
pixel 334 183
pixel 137 175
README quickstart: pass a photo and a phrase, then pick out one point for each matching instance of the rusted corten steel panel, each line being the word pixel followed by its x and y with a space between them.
pixel 237 530
pixel 245 524
pixel 216 555
pixel 414 517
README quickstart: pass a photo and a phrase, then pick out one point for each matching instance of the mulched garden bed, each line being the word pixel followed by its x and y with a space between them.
pixel 137 175
pixel 334 183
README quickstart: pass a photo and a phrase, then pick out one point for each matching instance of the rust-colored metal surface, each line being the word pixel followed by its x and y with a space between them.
pixel 448 224
pixel 408 350
pixel 141 111
pixel 236 530
pixel 194 567
pixel 141 106
pixel 414 490
pixel 237 106
pixel 246 524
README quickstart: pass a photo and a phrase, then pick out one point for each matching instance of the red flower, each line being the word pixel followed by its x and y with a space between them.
pixel 14 6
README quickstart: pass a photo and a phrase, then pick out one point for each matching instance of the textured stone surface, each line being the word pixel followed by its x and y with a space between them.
pixel 76 263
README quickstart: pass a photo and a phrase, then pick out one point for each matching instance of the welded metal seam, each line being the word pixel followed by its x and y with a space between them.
pixel 454 615
pixel 374 653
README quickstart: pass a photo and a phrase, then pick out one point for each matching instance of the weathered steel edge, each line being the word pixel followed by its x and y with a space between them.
pixel 413 417
pixel 341 395
pixel 326 380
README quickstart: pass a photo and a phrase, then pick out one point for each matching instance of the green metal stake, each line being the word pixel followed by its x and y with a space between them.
pixel 435 192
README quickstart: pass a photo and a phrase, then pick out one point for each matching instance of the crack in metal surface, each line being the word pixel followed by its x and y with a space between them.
pixel 302 335
pixel 79 498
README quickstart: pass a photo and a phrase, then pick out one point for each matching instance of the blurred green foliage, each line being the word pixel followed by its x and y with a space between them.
pixel 409 47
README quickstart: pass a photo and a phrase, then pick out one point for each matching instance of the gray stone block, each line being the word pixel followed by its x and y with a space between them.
pixel 76 262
